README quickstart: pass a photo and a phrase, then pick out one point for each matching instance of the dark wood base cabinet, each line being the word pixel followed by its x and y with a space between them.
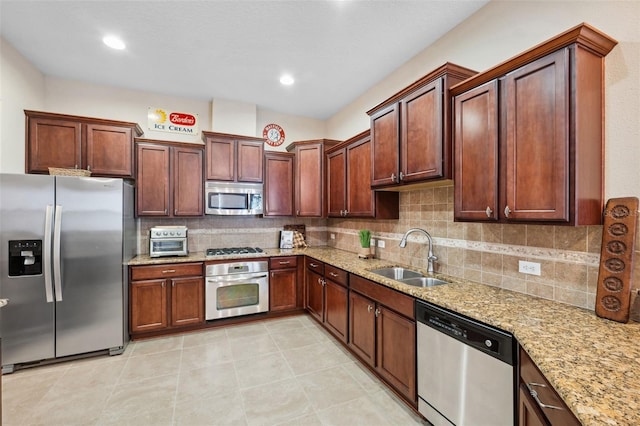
pixel 327 296
pixel 382 332
pixel 166 296
pixel 285 285
pixel 539 404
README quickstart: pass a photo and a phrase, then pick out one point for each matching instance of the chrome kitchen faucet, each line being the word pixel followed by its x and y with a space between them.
pixel 430 256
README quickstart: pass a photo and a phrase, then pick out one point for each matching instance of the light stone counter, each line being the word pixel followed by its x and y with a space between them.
pixel 593 363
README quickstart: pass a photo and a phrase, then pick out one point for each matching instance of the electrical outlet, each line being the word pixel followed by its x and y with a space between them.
pixel 381 243
pixel 372 243
pixel 531 268
pixel 333 236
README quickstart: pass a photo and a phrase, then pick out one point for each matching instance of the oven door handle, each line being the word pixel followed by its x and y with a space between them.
pixel 229 280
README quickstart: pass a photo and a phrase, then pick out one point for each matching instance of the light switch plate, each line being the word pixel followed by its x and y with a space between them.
pixel 333 236
pixel 531 268
pixel 380 243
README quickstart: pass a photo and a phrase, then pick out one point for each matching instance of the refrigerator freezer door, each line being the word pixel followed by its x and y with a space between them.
pixel 27 323
pixel 90 315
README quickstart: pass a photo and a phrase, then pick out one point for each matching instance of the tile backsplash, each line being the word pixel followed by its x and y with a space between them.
pixel 218 231
pixel 487 253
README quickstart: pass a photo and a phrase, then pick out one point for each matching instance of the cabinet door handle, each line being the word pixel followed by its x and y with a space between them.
pixel 488 211
pixel 346 212
pixel 273 275
pixel 324 282
pixel 377 312
pixel 165 211
pixel 320 281
pixel 173 283
pixel 369 308
pixel 163 284
pixel 333 274
pixel 168 271
pixel 297 212
pixel 88 167
pixel 76 166
pixel 401 177
pixel 534 394
pixel 284 263
pixel 313 265
pixel 507 211
pixel 393 177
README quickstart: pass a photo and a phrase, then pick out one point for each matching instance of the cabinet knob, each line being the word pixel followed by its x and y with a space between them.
pixel 369 308
pixel 507 211
pixel 377 312
pixel 488 211
pixel 393 177
pixel 401 177
pixel 346 212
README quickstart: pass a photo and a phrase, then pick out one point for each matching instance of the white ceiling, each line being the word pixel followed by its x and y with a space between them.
pixel 236 50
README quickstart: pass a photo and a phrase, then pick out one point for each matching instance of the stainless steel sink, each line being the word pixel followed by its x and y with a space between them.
pixel 397 273
pixel 423 281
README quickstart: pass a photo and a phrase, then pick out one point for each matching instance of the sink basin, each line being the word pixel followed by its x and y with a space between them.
pixel 423 281
pixel 397 273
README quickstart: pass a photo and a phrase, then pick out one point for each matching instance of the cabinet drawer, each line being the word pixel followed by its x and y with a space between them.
pixel 314 265
pixel 168 270
pixel 283 262
pixel 336 275
pixel 397 301
pixel 531 376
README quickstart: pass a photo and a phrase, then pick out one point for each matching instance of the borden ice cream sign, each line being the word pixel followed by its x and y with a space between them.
pixel 161 120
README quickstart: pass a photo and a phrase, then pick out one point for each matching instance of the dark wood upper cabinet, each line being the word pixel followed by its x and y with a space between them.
pixel 278 184
pixel 169 181
pixel 410 131
pixel 529 135
pixel 233 158
pixel 310 188
pixel 349 192
pixel 56 140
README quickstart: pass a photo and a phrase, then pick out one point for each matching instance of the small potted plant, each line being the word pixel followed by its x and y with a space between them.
pixel 365 241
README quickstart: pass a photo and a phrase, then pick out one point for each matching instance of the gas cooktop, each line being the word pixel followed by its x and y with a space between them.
pixel 233 250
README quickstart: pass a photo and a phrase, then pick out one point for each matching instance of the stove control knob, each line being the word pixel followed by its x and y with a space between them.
pixel 488 343
pixel 164 233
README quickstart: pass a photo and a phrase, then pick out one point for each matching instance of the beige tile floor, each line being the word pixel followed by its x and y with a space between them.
pixel 285 371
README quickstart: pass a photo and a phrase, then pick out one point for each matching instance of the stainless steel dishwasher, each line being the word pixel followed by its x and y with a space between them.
pixel 466 370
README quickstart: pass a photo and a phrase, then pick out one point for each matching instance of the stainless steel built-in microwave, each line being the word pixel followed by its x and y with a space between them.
pixel 231 198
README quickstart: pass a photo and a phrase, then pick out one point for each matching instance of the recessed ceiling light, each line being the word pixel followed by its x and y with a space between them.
pixel 114 42
pixel 287 80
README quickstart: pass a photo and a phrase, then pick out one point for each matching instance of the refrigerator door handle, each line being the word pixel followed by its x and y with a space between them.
pixel 57 264
pixel 48 284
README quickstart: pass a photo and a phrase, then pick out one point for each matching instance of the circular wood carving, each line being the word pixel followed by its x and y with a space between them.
pixel 614 265
pixel 616 247
pixel 618 229
pixel 613 284
pixel 611 303
pixel 620 211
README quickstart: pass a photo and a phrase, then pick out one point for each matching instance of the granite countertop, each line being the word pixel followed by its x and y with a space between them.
pixel 593 363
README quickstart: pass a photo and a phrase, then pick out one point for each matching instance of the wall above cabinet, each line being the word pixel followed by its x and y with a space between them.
pixel 411 131
pixel 528 135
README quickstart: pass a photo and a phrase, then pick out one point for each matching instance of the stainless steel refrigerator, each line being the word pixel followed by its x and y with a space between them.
pixel 64 245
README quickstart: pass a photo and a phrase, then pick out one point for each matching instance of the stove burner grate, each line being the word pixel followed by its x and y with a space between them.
pixel 233 250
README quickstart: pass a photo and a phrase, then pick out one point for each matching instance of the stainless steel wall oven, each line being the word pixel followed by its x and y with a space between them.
pixel 238 288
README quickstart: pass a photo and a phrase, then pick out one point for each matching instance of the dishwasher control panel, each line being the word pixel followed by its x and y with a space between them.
pixel 483 337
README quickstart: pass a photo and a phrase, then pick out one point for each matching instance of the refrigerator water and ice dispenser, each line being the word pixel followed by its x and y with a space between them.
pixel 25 257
